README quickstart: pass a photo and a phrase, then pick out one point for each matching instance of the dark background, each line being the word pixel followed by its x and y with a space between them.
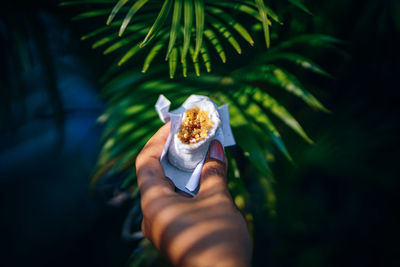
pixel 335 207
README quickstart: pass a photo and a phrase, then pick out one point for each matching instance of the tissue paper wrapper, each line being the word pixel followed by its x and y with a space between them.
pixel 189 181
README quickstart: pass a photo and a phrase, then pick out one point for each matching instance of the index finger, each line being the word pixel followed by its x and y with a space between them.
pixel 150 173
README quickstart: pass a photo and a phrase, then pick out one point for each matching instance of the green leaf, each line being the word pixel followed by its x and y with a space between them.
pixel 195 63
pixel 115 10
pixel 137 30
pixel 162 16
pixel 100 30
pixel 216 44
pixel 218 13
pixel 131 52
pixel 70 3
pixel 318 40
pixel 300 5
pixel 254 114
pixel 184 66
pixel 187 28
pixel 112 37
pixel 176 17
pixel 206 57
pixel 132 11
pixel 245 8
pixel 250 8
pixel 173 62
pixel 125 41
pixel 104 40
pixel 91 14
pixel 290 83
pixel 298 60
pixel 153 53
pixel 273 15
pixel 247 141
pixel 226 34
pixel 265 101
pixel 263 14
pixel 199 12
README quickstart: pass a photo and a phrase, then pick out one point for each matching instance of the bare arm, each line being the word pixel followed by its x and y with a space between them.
pixel 206 230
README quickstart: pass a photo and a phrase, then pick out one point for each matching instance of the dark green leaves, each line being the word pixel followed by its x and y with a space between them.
pixel 115 10
pixel 162 16
pixel 202 19
pixel 258 118
pixel 300 5
pixel 176 17
pixel 135 7
pixel 199 11
pixel 187 29
pixel 264 18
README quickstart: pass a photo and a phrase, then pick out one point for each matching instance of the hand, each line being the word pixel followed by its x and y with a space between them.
pixel 205 230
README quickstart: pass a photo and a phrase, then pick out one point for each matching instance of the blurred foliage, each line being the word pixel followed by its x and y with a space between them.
pixel 24 51
pixel 257 116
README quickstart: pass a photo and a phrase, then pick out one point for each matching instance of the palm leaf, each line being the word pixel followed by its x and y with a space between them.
pixel 195 63
pixel 300 5
pixel 218 13
pixel 187 29
pixel 226 34
pixel 318 40
pixel 71 3
pixel 184 66
pixel 115 10
pixel 176 17
pixel 137 30
pixel 290 83
pixel 153 53
pixel 220 20
pixel 91 14
pixel 206 57
pixel 210 35
pixel 125 41
pixel 99 30
pixel 265 101
pixel 173 62
pixel 199 12
pixel 299 60
pixel 162 16
pixel 263 14
pixel 132 11
pixel 131 52
pixel 254 114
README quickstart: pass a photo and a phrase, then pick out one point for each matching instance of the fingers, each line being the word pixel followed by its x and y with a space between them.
pixel 149 171
pixel 213 173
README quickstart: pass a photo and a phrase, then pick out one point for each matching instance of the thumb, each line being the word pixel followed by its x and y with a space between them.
pixel 213 173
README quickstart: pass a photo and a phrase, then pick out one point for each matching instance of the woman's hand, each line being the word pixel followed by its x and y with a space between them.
pixel 205 230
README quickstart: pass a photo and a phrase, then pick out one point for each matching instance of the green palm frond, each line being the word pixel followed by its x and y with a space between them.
pixel 257 114
pixel 128 21
pixel 130 119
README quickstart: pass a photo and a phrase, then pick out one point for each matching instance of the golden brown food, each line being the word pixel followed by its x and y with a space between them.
pixel 195 126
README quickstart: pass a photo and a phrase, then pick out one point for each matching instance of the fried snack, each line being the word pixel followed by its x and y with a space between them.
pixel 195 126
pixel 198 127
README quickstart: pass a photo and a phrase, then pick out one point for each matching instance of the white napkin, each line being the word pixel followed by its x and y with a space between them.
pixel 189 181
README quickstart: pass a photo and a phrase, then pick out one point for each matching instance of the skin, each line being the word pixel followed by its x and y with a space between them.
pixel 205 230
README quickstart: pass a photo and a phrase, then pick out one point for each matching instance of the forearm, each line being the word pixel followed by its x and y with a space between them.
pixel 220 242
pixel 216 256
